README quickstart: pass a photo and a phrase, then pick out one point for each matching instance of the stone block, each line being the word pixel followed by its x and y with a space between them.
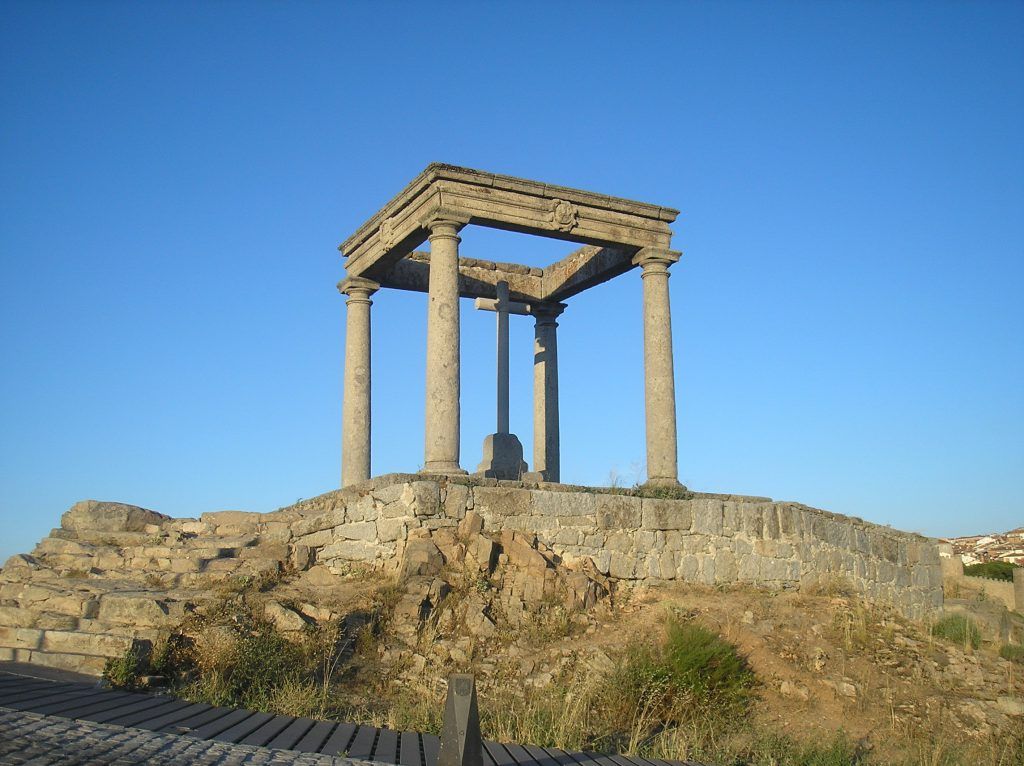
pixel 390 493
pixel 73 642
pixel 314 524
pixel 617 511
pixel 56 621
pixel 751 520
pixel 502 501
pixel 349 550
pixel 276 532
pixel 20 638
pixel 364 508
pixel 217 519
pixel 389 530
pixel 708 516
pixel 623 566
pixel 422 497
pixel 316 539
pixel 270 551
pixel 133 610
pixel 109 517
pixel 17 617
pixel 689 567
pixel 358 530
pixel 621 542
pixel 559 504
pixel 456 499
pixel 730 518
pixel 666 514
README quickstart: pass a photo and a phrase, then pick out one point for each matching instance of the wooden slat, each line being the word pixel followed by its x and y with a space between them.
pixel 500 755
pixel 431 746
pixel 101 704
pixel 18 695
pixel 213 728
pixel 486 756
pixel 386 750
pixel 110 716
pixel 523 758
pixel 269 730
pixel 339 739
pixel 560 756
pixel 31 692
pixel 598 759
pixel 295 731
pixel 199 719
pixel 173 718
pixel 137 716
pixel 362 743
pixel 53 702
pixel 540 755
pixel 315 738
pixel 24 684
pixel 409 749
pixel 243 728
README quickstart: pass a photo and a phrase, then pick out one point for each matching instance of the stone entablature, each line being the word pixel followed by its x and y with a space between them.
pixel 505 202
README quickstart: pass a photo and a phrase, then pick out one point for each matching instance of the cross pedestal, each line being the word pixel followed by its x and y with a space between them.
pixel 503 452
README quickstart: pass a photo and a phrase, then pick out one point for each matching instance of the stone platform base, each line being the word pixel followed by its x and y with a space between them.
pixel 112 574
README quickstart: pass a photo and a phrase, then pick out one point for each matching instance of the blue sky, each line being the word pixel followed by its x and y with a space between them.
pixel 847 313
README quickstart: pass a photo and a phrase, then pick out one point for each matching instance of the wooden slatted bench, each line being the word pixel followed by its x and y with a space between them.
pixel 90 702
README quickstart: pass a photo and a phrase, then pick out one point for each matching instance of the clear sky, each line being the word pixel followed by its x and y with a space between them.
pixel 848 313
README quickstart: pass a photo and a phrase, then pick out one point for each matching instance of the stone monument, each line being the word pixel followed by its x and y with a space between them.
pixel 616 235
pixel 503 452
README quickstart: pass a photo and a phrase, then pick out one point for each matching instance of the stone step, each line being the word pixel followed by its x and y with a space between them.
pixel 65 641
pixel 80 663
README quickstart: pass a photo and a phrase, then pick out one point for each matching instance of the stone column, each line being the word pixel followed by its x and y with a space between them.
pixel 545 391
pixel 659 377
pixel 441 451
pixel 355 429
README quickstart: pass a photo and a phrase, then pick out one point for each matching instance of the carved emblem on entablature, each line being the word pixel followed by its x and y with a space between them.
pixel 564 215
pixel 387 233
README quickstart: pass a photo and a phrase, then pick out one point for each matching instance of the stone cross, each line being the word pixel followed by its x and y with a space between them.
pixel 502 306
pixel 503 452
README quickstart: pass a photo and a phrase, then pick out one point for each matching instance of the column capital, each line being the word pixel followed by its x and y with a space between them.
pixel 655 259
pixel 546 313
pixel 444 222
pixel 357 288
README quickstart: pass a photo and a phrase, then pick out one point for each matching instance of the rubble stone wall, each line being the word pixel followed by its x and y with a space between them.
pixel 704 538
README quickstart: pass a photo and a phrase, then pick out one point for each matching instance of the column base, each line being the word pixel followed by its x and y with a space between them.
pixel 664 481
pixel 443 469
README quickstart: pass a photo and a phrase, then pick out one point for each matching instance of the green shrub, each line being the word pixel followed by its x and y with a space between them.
pixel 123 672
pixel 995 570
pixel 1013 653
pixel 958 629
pixel 692 668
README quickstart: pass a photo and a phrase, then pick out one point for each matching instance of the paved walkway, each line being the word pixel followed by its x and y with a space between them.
pixel 30 738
